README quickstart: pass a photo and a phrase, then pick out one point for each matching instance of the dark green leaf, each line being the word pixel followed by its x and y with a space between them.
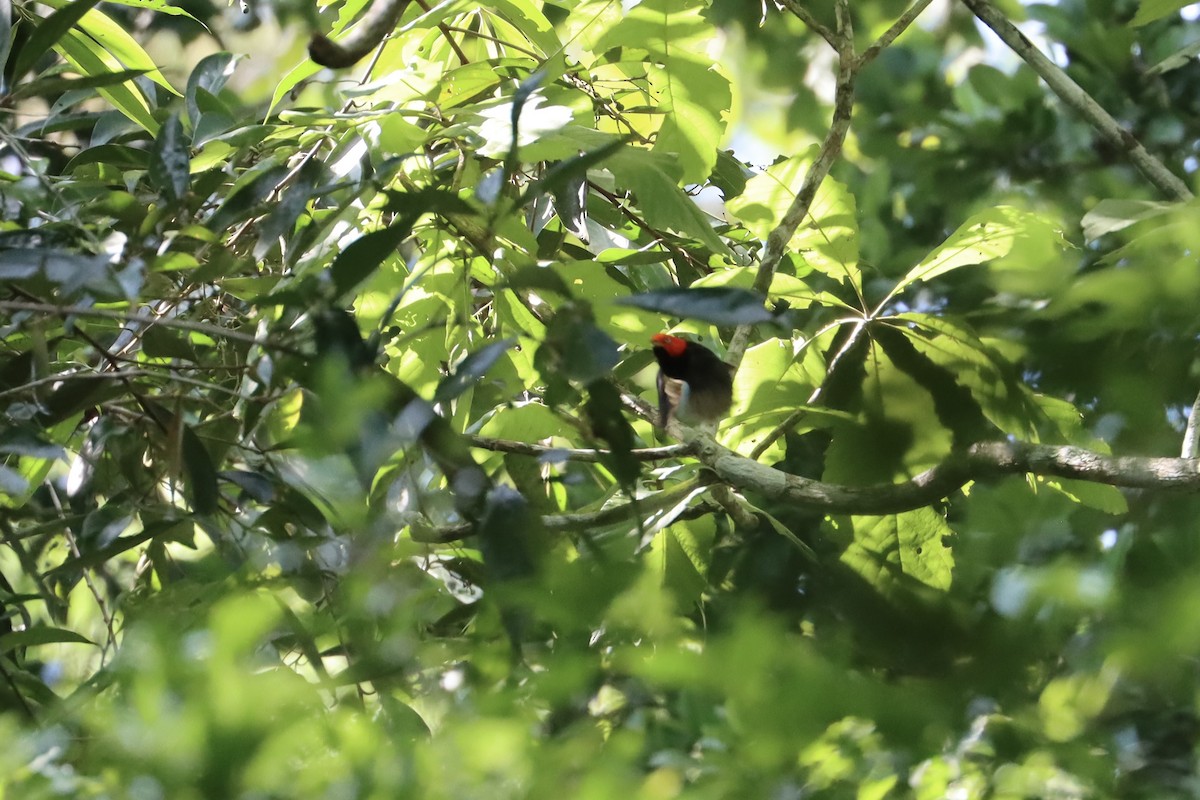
pixel 158 342
pixel 255 484
pixel 48 33
pixel 201 475
pixel 22 442
pixel 364 255
pixel 710 304
pixel 170 160
pixel 209 75
pixel 41 634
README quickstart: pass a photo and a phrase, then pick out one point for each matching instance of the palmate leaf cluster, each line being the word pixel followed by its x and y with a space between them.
pixel 321 409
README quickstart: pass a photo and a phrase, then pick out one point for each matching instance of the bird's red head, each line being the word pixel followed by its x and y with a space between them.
pixel 672 344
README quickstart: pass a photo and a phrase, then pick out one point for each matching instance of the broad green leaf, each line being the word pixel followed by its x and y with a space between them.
pixel 1151 10
pixel 986 236
pixel 364 255
pixel 696 97
pixel 90 59
pixel 660 199
pixel 161 6
pixel 57 85
pixel 826 240
pixel 916 541
pixel 209 76
pixel 1180 58
pixel 1109 216
pixel 471 369
pixel 992 381
pixel 527 17
pixel 23 442
pixel 528 422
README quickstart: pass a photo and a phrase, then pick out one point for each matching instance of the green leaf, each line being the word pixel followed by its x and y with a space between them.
pixel 1109 216
pixel 22 442
pixel 827 239
pixel 57 85
pixel 528 18
pixel 39 635
pixel 48 34
pixel 90 59
pixel 716 305
pixel 660 199
pixel 209 75
pixel 170 161
pixel 915 541
pixel 987 235
pixel 1150 10
pixel 117 42
pixel 364 255
pixel 201 474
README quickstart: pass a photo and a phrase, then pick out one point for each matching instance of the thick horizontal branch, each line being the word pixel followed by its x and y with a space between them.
pixel 983 460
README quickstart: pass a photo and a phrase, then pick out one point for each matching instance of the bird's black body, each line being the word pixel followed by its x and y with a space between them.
pixel 694 384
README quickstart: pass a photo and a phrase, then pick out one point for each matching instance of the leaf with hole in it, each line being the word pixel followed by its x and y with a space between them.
pixel 915 541
pixel 719 306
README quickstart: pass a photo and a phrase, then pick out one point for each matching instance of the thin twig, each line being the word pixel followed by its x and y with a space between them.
pixel 1074 96
pixel 581 520
pixel 129 316
pixel 565 454
pixel 778 239
pixel 889 36
pixel 805 16
pixel 792 419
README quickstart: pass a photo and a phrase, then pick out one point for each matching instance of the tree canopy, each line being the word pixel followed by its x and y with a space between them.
pixel 330 455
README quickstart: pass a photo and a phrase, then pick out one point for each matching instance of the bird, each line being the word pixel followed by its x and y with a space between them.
pixel 694 384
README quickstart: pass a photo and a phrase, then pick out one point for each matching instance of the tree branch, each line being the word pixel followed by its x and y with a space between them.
pixel 129 316
pixel 778 239
pixel 1074 96
pixel 889 36
pixel 805 16
pixel 980 461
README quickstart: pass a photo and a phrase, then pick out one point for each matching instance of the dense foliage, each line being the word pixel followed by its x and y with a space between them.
pixel 329 457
